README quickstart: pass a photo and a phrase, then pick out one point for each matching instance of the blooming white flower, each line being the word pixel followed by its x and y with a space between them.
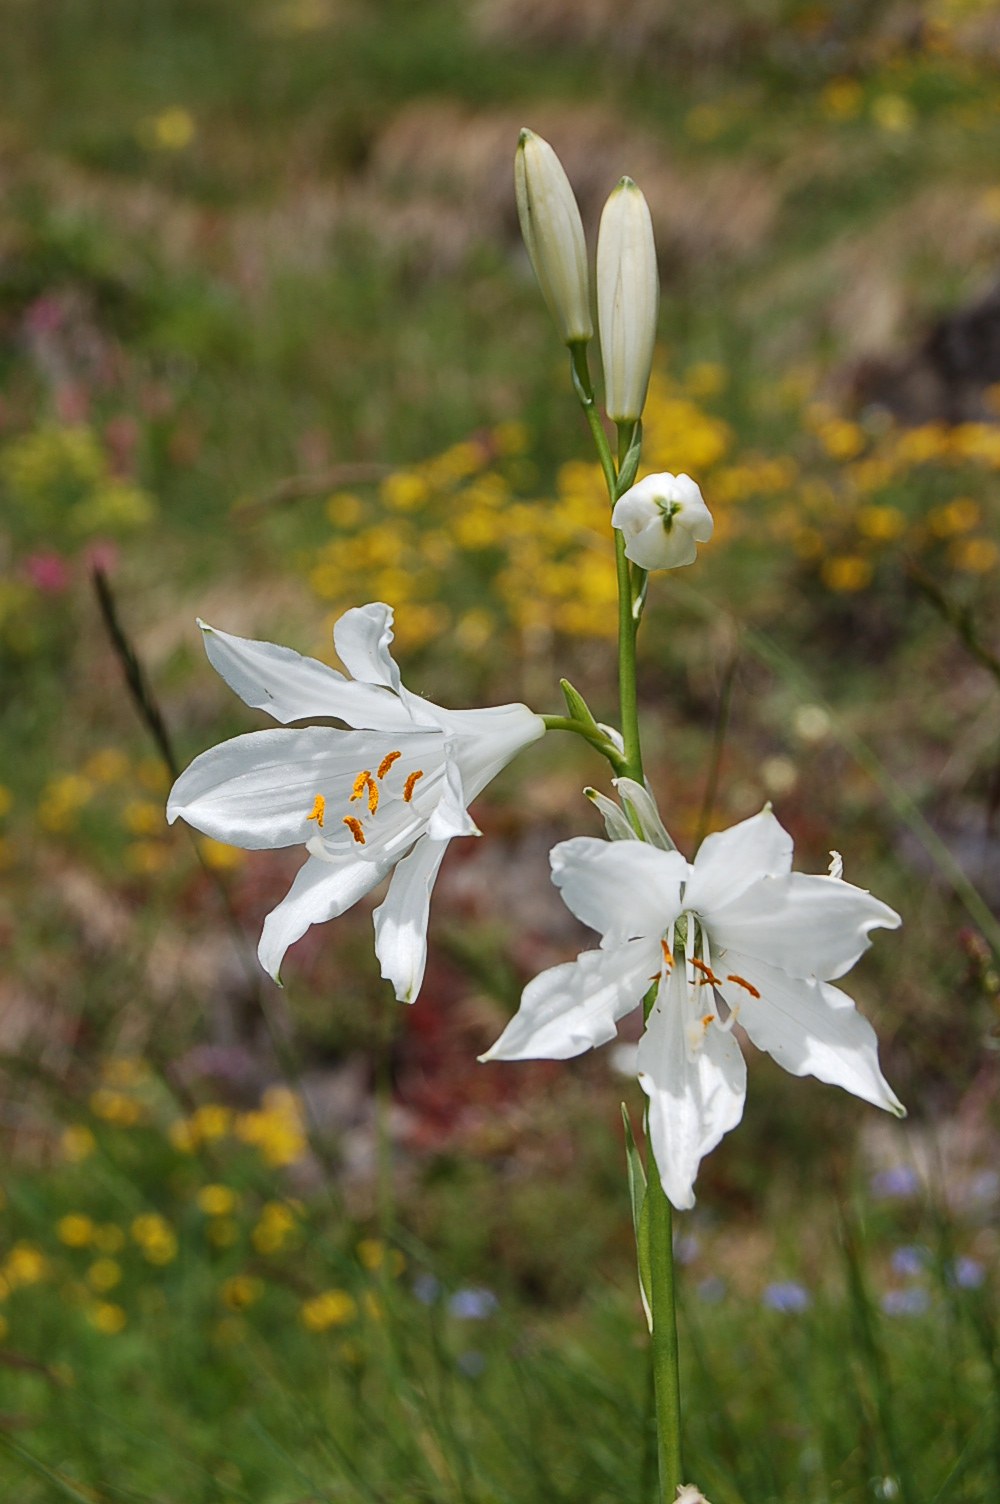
pixel 390 793
pixel 735 935
pixel 663 518
pixel 553 236
pixel 628 294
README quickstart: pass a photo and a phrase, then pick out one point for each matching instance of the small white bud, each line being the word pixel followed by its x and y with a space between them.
pixel 628 294
pixel 688 1493
pixel 553 234
pixel 663 518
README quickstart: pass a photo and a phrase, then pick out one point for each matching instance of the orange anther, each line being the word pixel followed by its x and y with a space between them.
pixel 668 959
pixel 360 784
pixel 372 796
pixel 742 982
pixel 708 1019
pixel 354 826
pixel 709 978
pixel 386 763
pixel 318 810
pixel 409 785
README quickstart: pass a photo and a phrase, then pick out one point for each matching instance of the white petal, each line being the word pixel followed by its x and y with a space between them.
pixel 450 816
pixel 487 740
pixel 362 637
pixel 694 1098
pixel 811 1029
pixel 321 891
pixel 258 790
pixel 729 861
pixel 292 688
pixel 643 805
pixel 571 1008
pixel 806 926
pixel 615 820
pixel 621 889
pixel 657 548
pixel 401 920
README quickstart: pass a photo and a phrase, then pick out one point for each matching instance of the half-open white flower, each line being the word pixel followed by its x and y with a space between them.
pixel 734 936
pixel 663 518
pixel 390 793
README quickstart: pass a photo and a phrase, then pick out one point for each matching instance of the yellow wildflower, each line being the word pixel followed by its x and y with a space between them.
pixel 846 573
pixel 216 1200
pixel 240 1291
pixel 75 1230
pixel 331 1308
pixel 107 1317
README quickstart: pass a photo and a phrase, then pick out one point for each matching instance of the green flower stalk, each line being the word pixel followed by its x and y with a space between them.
pixel 628 295
pixel 553 235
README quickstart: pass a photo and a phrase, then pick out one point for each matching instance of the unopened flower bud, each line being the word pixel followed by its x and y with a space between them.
pixel 553 234
pixel 628 293
pixel 662 520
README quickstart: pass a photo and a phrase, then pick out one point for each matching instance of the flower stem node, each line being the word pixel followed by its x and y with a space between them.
pixel 628 295
pixel 735 935
pixel 314 786
pixel 663 519
pixel 553 236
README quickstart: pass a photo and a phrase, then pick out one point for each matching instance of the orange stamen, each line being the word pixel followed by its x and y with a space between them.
pixel 318 810
pixel 742 982
pixel 709 978
pixel 708 1019
pixel 360 784
pixel 386 763
pixel 409 785
pixel 354 826
pixel 668 959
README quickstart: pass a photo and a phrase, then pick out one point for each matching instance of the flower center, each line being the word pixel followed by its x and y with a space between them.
pixel 369 787
pixel 686 944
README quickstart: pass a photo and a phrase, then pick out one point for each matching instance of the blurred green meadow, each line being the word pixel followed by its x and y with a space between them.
pixel 270 348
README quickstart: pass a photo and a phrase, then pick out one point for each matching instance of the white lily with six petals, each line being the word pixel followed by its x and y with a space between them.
pixel 391 793
pixel 735 935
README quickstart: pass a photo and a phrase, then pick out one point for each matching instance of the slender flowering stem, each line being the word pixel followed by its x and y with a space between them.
pixel 657 1225
pixel 666 1372
pixel 597 739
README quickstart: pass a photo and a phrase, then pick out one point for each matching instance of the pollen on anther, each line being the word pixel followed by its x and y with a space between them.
pixel 360 784
pixel 410 784
pixel 318 810
pixel 354 826
pixel 709 979
pixel 386 763
pixel 667 955
pixel 742 982
pixel 709 1018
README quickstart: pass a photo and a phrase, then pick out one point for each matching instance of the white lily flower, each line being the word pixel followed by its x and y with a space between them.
pixel 553 236
pixel 735 935
pixel 663 518
pixel 628 295
pixel 390 793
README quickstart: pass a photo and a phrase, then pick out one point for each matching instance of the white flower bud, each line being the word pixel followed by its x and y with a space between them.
pixel 553 234
pixel 628 292
pixel 663 518
pixel 689 1493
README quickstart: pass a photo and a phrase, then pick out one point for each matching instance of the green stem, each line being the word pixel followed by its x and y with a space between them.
pixel 628 627
pixel 657 1229
pixel 596 738
pixel 666 1373
pixel 585 392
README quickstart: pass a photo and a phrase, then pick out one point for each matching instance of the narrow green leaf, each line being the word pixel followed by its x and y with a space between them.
pixel 640 1215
